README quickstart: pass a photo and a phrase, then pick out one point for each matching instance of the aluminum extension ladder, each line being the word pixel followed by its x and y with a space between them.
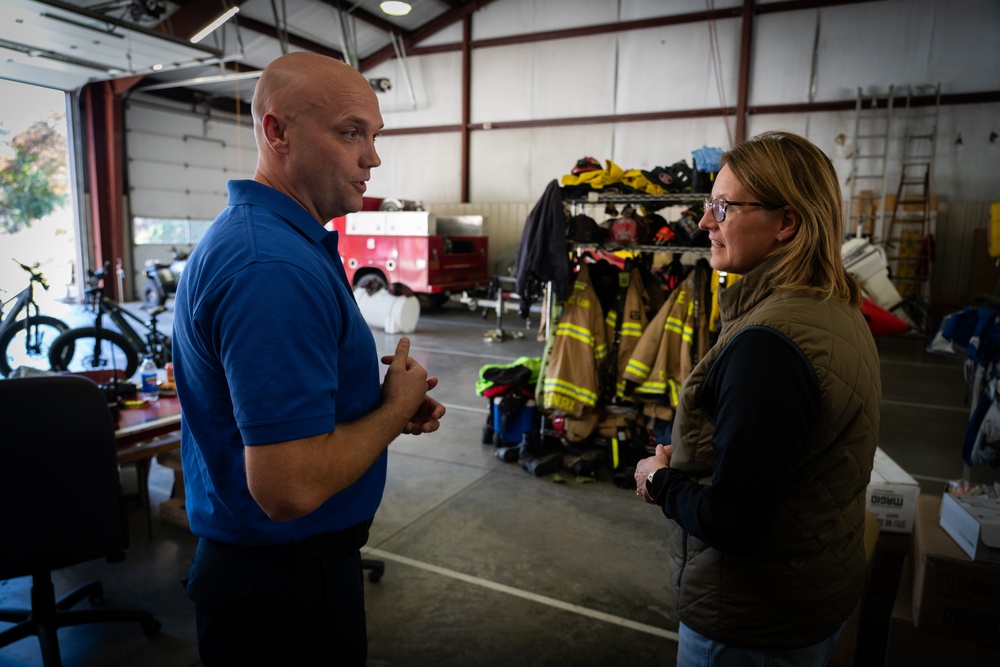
pixel 909 240
pixel 873 116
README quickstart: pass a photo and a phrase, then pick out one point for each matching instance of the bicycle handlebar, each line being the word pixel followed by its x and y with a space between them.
pixel 36 276
pixel 95 278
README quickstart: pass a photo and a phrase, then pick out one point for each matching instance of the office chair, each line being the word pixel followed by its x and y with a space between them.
pixel 376 569
pixel 61 503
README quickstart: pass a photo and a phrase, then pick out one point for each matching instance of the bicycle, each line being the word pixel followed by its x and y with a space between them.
pixel 26 341
pixel 100 348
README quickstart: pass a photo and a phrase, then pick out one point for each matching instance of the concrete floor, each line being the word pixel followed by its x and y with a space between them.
pixel 485 563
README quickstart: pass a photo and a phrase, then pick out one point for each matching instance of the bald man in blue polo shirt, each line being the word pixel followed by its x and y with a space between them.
pixel 285 423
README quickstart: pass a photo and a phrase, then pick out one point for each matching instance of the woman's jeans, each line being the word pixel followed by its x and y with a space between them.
pixel 695 650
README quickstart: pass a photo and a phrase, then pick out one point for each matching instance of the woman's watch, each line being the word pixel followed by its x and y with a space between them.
pixel 649 483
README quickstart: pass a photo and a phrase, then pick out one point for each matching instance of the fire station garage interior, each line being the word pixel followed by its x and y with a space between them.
pixel 531 149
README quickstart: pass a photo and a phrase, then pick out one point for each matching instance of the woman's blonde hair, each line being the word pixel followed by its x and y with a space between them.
pixel 779 169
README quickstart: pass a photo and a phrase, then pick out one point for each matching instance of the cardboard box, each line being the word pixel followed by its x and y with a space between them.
pixel 974 523
pixel 908 646
pixel 952 594
pixel 892 495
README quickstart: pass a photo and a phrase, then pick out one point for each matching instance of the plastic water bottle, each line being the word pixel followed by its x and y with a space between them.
pixel 150 389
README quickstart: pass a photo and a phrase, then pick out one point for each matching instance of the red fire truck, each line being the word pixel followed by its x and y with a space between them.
pixel 414 252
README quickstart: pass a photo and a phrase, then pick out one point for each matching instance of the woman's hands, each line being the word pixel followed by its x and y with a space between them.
pixel 661 459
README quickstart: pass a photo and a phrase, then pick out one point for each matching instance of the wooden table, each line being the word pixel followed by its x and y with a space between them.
pixel 141 434
pixel 137 426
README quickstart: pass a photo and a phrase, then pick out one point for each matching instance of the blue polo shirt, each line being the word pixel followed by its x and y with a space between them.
pixel 269 346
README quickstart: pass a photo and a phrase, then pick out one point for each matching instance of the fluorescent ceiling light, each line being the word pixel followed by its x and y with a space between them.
pixel 394 8
pixel 207 30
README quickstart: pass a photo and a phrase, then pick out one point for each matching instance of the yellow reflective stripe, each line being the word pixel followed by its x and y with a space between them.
pixel 575 332
pixel 675 325
pixel 674 392
pixel 569 326
pixel 559 386
pixel 632 329
pixel 638 369
pixel 600 351
pixel 586 339
pixel 652 388
pixel 614 452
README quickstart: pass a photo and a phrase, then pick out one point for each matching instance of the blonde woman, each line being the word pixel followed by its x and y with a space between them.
pixel 772 445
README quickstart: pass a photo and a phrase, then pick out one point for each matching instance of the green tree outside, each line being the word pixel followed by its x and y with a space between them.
pixel 33 181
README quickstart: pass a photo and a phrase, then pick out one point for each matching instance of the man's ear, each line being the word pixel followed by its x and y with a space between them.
pixel 274 129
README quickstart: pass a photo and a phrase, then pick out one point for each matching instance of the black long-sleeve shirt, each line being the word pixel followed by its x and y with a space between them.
pixel 762 397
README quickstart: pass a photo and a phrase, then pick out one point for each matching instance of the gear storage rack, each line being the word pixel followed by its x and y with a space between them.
pixel 689 254
pixel 671 198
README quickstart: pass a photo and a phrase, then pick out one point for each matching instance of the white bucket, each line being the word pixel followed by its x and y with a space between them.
pixel 395 314
pixel 864 261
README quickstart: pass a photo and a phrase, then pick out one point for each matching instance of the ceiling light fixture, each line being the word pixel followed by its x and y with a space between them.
pixel 207 30
pixel 394 8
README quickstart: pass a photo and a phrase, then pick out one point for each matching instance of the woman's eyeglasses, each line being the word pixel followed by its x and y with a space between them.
pixel 719 207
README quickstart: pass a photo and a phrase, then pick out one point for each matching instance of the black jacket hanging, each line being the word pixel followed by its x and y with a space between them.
pixel 543 254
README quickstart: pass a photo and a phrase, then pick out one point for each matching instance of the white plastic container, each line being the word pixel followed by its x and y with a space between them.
pixel 865 262
pixel 395 314
pixel 366 223
pixel 410 223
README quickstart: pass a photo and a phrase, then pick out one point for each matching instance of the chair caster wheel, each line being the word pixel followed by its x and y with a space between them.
pixel 376 569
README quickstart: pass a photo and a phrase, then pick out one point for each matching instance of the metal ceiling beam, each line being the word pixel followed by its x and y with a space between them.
pixel 194 15
pixel 423 32
pixel 293 39
pixel 86 13
pixel 367 17
pixel 191 17
pixel 983 97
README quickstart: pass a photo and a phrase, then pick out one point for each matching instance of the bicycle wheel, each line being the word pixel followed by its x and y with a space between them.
pixel 22 345
pixel 91 349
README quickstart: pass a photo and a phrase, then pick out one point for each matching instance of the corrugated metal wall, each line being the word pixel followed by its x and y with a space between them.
pixel 959 253
pixel 821 54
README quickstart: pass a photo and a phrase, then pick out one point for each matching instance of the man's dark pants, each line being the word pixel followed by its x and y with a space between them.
pixel 299 604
